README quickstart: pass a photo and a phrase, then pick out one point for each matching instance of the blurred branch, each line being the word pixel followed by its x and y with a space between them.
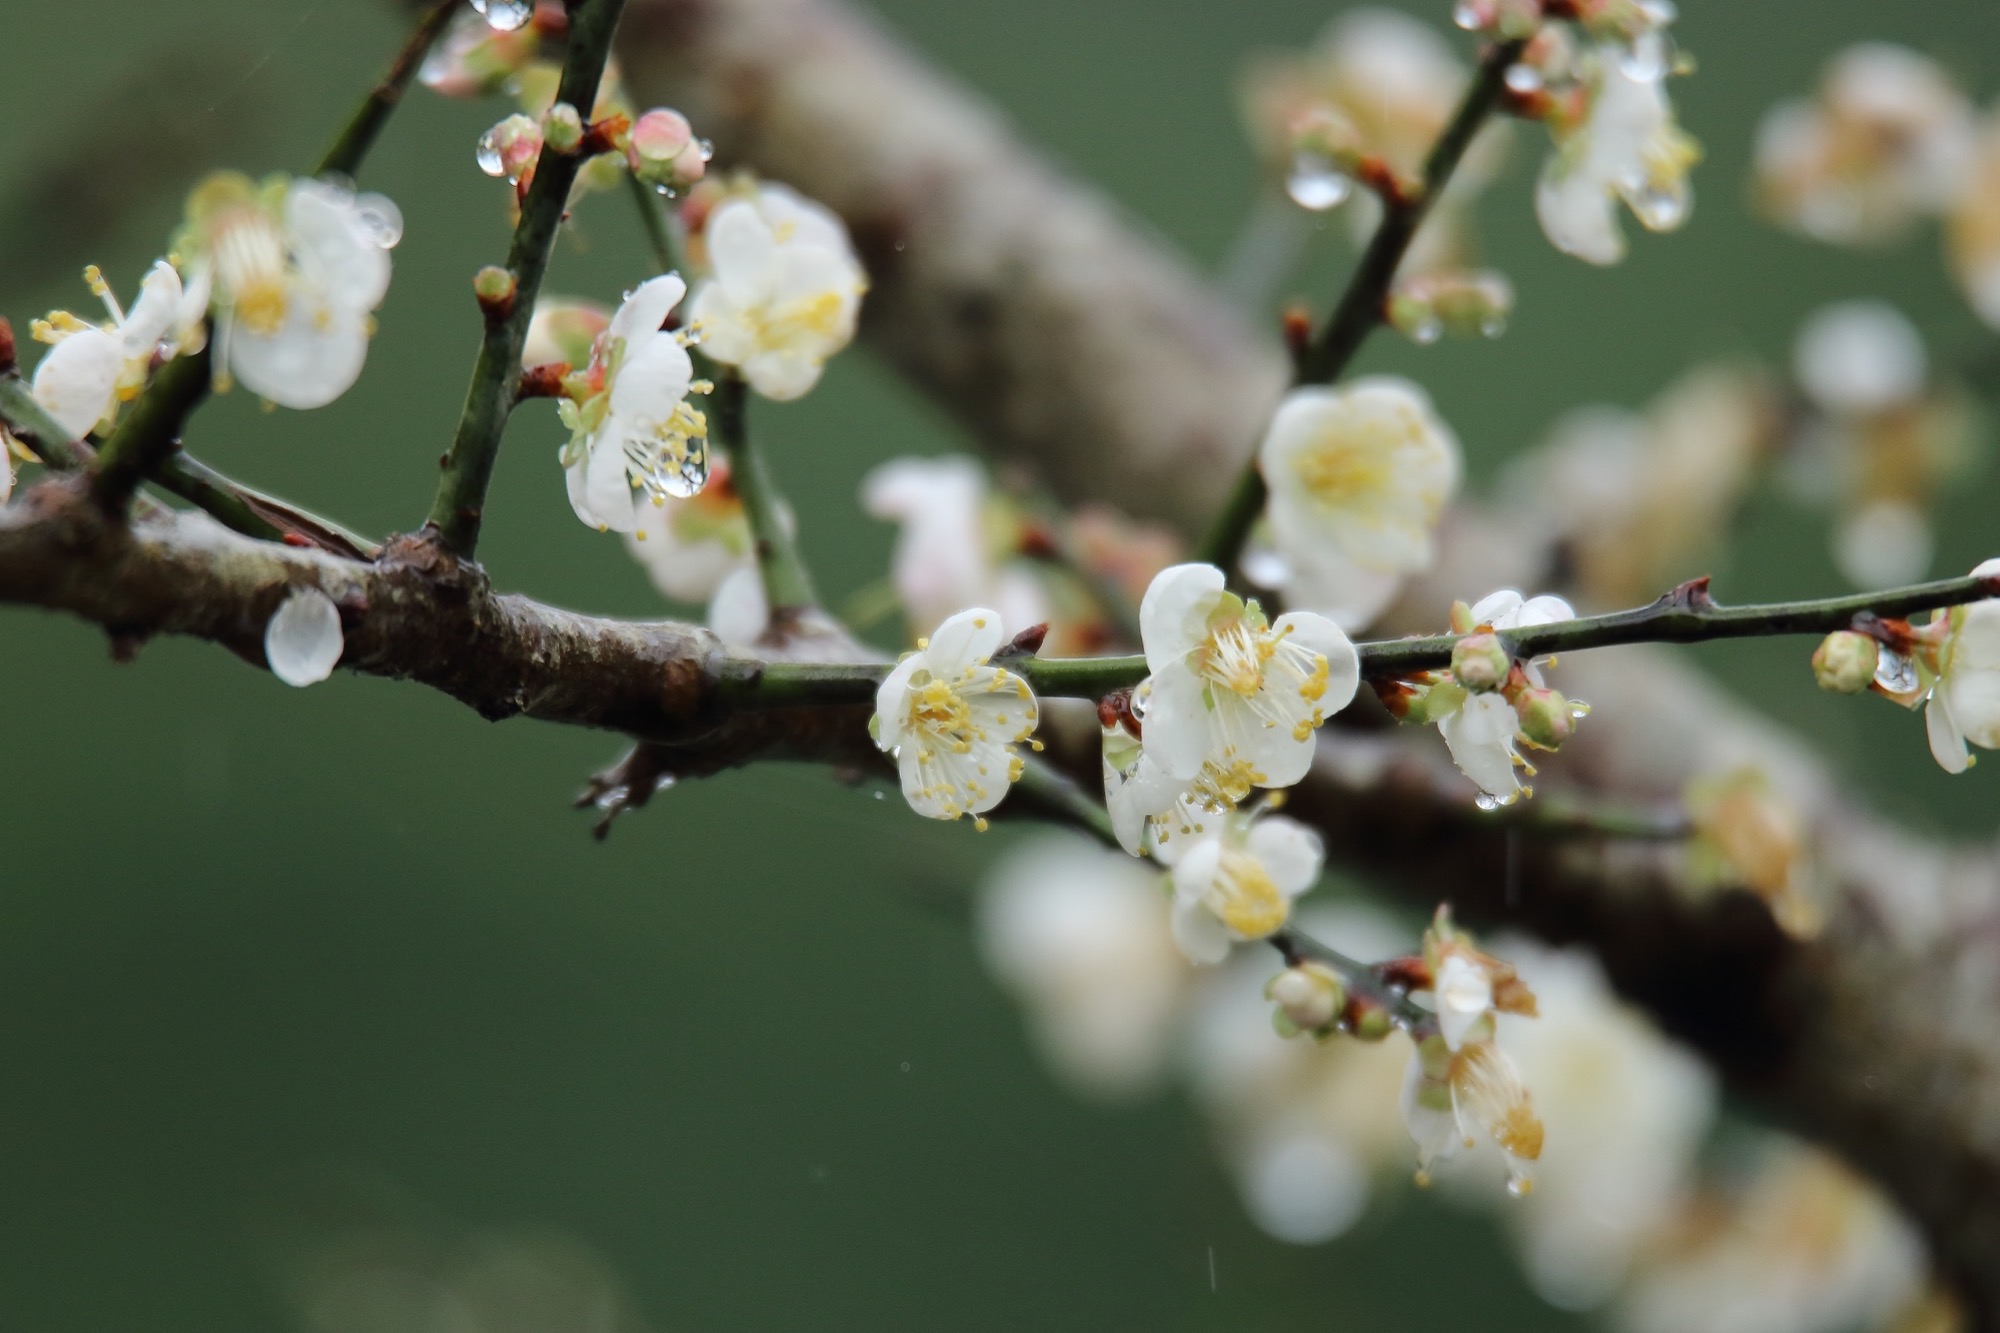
pixel 468 466
pixel 1058 332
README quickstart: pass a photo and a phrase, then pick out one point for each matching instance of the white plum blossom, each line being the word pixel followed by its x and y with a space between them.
pixel 1885 141
pixel 945 556
pixel 92 368
pixel 1626 1112
pixel 1454 1099
pixel 303 639
pixel 631 426
pixel 951 720
pixel 292 270
pixel 1964 704
pixel 1358 477
pixel 784 291
pixel 690 547
pixel 1232 692
pixel 1237 881
pixel 1481 733
pixel 1078 933
pixel 1626 149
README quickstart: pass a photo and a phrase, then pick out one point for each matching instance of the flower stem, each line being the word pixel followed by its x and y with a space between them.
pixel 1359 310
pixel 661 232
pixel 1685 615
pixel 151 431
pixel 357 136
pixel 468 466
pixel 788 588
pixel 1045 790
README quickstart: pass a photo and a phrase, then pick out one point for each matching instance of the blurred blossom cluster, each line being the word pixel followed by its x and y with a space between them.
pixel 1888 139
pixel 1645 1208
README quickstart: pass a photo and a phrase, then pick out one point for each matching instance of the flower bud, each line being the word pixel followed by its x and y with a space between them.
pixel 1367 1019
pixel 1547 719
pixel 1845 662
pixel 494 287
pixel 1480 662
pixel 510 148
pixel 1463 304
pixel 564 128
pixel 563 331
pixel 1308 997
pixel 1427 704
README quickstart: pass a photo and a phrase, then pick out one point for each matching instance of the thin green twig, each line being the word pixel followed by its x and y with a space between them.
pixel 788 588
pixel 1686 615
pixel 468 466
pixel 1360 309
pixel 151 431
pixel 344 156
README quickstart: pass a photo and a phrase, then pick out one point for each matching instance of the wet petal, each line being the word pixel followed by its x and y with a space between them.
pixel 1173 615
pixel 77 382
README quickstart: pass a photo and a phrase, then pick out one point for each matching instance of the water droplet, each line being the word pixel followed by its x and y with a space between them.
pixel 302 640
pixel 1493 326
pixel 613 798
pixel 504 15
pixel 664 781
pixel 1657 209
pixel 1524 79
pixel 1469 15
pixel 1427 330
pixel 906 1066
pixel 1487 801
pixel 686 480
pixel 1895 673
pixel 1520 1186
pixel 666 191
pixel 706 148
pixel 488 155
pixel 1316 184
pixel 381 221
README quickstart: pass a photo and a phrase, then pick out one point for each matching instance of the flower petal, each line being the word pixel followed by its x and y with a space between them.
pixel 315 357
pixel 1290 852
pixel 1343 661
pixel 302 639
pixel 77 382
pixel 964 641
pixel 1947 742
pixel 1177 722
pixel 1173 615
pixel 645 311
pixel 742 250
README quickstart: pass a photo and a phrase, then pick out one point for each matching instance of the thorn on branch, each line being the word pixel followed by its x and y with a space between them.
pixel 1692 596
pixel 1025 644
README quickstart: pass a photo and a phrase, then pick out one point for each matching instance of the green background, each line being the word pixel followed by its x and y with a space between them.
pixel 274 961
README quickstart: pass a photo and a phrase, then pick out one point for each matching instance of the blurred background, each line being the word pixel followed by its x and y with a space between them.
pixel 300 985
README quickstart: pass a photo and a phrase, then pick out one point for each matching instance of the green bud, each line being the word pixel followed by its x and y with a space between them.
pixel 1480 662
pixel 1367 1020
pixel 1434 703
pixel 563 130
pixel 1845 662
pixel 1547 719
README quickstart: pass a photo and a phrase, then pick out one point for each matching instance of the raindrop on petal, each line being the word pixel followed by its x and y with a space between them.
pixel 302 640
pixel 1316 184
pixel 504 15
pixel 1895 673
pixel 1488 801
pixel 381 221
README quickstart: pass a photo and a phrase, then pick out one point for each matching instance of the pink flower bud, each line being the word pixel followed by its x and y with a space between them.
pixel 1480 662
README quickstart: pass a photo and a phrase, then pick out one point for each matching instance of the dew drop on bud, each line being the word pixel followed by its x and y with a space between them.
pixel 302 640
pixel 1316 184
pixel 705 149
pixel 1524 79
pixel 489 155
pixel 1427 330
pixel 1895 673
pixel 1468 15
pixel 504 15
